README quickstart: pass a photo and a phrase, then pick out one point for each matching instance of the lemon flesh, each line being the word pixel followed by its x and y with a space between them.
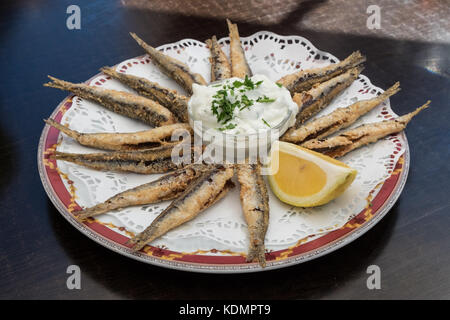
pixel 305 178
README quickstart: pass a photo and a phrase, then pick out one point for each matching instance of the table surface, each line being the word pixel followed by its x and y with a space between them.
pixel 411 245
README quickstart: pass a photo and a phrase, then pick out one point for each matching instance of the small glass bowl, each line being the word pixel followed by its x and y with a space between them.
pixel 235 148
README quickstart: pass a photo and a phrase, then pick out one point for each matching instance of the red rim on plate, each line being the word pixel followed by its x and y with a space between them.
pixel 65 202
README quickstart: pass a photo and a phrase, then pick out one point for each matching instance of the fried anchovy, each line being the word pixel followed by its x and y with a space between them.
pixel 347 141
pixel 304 80
pixel 168 98
pixel 124 103
pixel 174 68
pixel 319 96
pixel 167 187
pixel 220 66
pixel 239 64
pixel 255 204
pixel 211 186
pixel 339 119
pixel 124 141
pixel 155 160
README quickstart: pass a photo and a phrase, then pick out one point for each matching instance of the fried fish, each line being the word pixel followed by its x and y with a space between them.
pixel 339 119
pixel 124 103
pixel 220 66
pixel 338 146
pixel 210 187
pixel 172 67
pixel 305 79
pixel 168 98
pixel 124 141
pixel 168 187
pixel 320 95
pixel 255 205
pixel 154 160
pixel 239 64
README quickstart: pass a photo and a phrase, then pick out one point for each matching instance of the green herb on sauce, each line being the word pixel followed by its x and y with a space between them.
pixel 228 127
pixel 265 99
pixel 265 122
pixel 225 101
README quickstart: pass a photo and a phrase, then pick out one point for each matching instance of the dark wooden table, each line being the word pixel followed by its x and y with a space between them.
pixel 411 244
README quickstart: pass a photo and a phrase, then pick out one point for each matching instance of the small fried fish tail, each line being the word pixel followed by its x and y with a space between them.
pixel 356 58
pixel 361 107
pixel 256 252
pixel 407 117
pixel 71 133
pixel 364 106
pixel 60 84
pixel 390 92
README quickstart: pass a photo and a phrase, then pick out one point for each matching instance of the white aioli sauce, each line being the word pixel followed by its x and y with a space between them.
pixel 252 119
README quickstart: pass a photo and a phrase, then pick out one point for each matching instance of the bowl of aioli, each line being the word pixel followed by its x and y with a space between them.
pixel 241 116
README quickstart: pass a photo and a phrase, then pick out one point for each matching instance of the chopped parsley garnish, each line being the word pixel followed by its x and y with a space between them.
pixel 222 107
pixel 228 126
pixel 265 122
pixel 237 84
pixel 225 101
pixel 279 84
pixel 248 83
pixel 245 102
pixel 265 99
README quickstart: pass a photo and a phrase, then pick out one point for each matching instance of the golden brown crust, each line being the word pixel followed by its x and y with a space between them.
pixel 320 95
pixel 124 103
pixel 349 140
pixel 168 98
pixel 154 160
pixel 304 80
pixel 205 191
pixel 220 66
pixel 124 141
pixel 167 187
pixel 174 68
pixel 255 205
pixel 339 119
pixel 239 64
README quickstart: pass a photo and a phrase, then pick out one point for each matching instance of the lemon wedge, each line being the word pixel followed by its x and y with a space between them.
pixel 305 178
